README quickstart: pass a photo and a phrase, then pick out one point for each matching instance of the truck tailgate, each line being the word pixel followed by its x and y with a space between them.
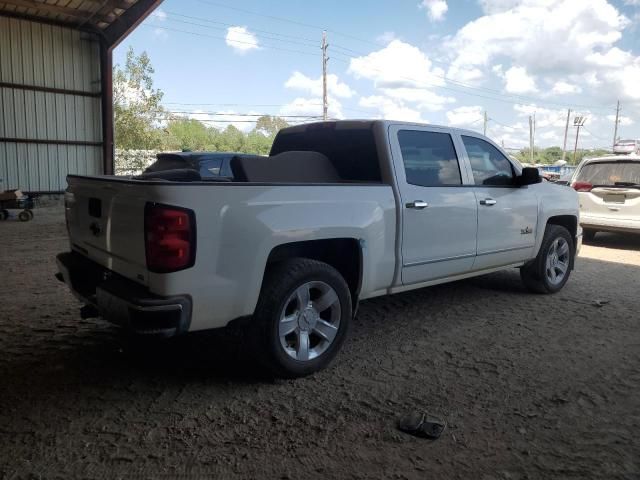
pixel 105 220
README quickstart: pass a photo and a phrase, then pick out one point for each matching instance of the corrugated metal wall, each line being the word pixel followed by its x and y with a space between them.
pixel 50 105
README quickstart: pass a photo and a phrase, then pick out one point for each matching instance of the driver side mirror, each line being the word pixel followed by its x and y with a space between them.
pixel 529 176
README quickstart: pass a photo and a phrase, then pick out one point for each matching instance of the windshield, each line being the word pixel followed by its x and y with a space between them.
pixel 610 173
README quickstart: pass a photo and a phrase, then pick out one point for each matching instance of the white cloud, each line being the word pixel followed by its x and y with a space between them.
pixel 241 39
pixel 465 116
pixel 159 15
pixel 299 81
pixel 160 32
pixel 553 40
pixel 386 37
pixel 312 107
pixel 517 80
pixel 399 64
pixel 436 9
pixel 391 110
pixel 562 88
pixel 405 76
pixel 624 121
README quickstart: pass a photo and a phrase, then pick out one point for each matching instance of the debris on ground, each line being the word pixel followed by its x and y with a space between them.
pixel 600 303
pixel 421 425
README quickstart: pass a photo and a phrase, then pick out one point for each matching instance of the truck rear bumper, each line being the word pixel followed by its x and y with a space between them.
pixel 122 301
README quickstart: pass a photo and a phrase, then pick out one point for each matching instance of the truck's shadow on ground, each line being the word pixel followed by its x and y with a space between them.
pixel 97 353
pixel 619 241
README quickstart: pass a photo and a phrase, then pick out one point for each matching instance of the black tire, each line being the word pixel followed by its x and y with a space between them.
pixel 30 213
pixel 534 274
pixel 4 214
pixel 24 216
pixel 280 282
pixel 589 235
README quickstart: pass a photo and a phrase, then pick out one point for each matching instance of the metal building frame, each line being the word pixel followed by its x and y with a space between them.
pixel 108 20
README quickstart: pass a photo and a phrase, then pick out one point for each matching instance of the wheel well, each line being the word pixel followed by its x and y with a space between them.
pixel 567 221
pixel 343 254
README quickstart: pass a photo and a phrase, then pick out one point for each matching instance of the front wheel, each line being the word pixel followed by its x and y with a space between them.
pixel 550 270
pixel 302 317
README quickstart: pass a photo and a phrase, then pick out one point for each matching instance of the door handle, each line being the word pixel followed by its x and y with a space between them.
pixel 489 202
pixel 417 204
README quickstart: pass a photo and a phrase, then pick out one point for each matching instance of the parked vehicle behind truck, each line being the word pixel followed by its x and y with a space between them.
pixel 609 192
pixel 339 212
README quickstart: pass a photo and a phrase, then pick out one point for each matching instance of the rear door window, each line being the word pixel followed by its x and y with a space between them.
pixel 429 158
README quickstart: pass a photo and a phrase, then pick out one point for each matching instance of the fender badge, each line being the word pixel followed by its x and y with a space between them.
pixel 526 231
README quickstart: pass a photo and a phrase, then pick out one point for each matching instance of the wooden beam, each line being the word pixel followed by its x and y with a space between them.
pixel 54 9
pixel 130 19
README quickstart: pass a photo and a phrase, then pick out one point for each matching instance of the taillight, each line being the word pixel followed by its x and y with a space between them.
pixel 170 238
pixel 582 186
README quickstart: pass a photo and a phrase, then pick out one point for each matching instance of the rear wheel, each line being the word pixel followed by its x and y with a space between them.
pixel 550 270
pixel 24 216
pixel 589 235
pixel 30 213
pixel 4 214
pixel 301 318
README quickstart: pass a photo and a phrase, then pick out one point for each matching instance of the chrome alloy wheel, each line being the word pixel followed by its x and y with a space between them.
pixel 557 263
pixel 309 321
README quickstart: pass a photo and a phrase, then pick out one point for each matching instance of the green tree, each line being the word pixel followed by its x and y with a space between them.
pixel 136 104
pixel 270 125
pixel 188 134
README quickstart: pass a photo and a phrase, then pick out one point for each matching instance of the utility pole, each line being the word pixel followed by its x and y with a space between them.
pixel 533 136
pixel 531 139
pixel 486 120
pixel 577 122
pixel 566 132
pixel 615 129
pixel 325 59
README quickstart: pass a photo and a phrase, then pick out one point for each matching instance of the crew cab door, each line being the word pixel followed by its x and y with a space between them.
pixel 439 215
pixel 507 213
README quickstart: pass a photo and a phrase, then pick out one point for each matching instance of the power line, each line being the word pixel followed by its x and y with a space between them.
pixel 257 45
pixel 229 25
pixel 349 56
pixel 243 104
pixel 289 20
pixel 208 20
pixel 484 89
pixel 230 114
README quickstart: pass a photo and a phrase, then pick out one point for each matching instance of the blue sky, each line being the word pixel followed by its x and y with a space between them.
pixel 433 61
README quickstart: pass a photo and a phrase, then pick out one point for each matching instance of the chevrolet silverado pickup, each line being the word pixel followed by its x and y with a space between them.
pixel 286 248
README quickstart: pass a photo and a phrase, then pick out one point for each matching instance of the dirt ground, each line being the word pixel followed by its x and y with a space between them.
pixel 530 386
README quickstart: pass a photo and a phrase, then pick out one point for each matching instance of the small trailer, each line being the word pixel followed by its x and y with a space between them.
pixel 16 200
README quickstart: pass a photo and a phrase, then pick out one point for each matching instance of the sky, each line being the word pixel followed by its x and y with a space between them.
pixel 443 62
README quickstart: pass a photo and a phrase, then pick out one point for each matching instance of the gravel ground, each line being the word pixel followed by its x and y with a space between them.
pixel 530 386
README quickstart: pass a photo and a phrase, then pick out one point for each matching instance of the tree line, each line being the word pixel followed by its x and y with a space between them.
pixel 551 155
pixel 142 123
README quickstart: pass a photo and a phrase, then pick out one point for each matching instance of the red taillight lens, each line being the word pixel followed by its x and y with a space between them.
pixel 582 186
pixel 170 238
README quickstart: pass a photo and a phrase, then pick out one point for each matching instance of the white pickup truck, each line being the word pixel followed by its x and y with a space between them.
pixel 289 244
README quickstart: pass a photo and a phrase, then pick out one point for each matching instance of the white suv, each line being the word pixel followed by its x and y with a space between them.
pixel 609 191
